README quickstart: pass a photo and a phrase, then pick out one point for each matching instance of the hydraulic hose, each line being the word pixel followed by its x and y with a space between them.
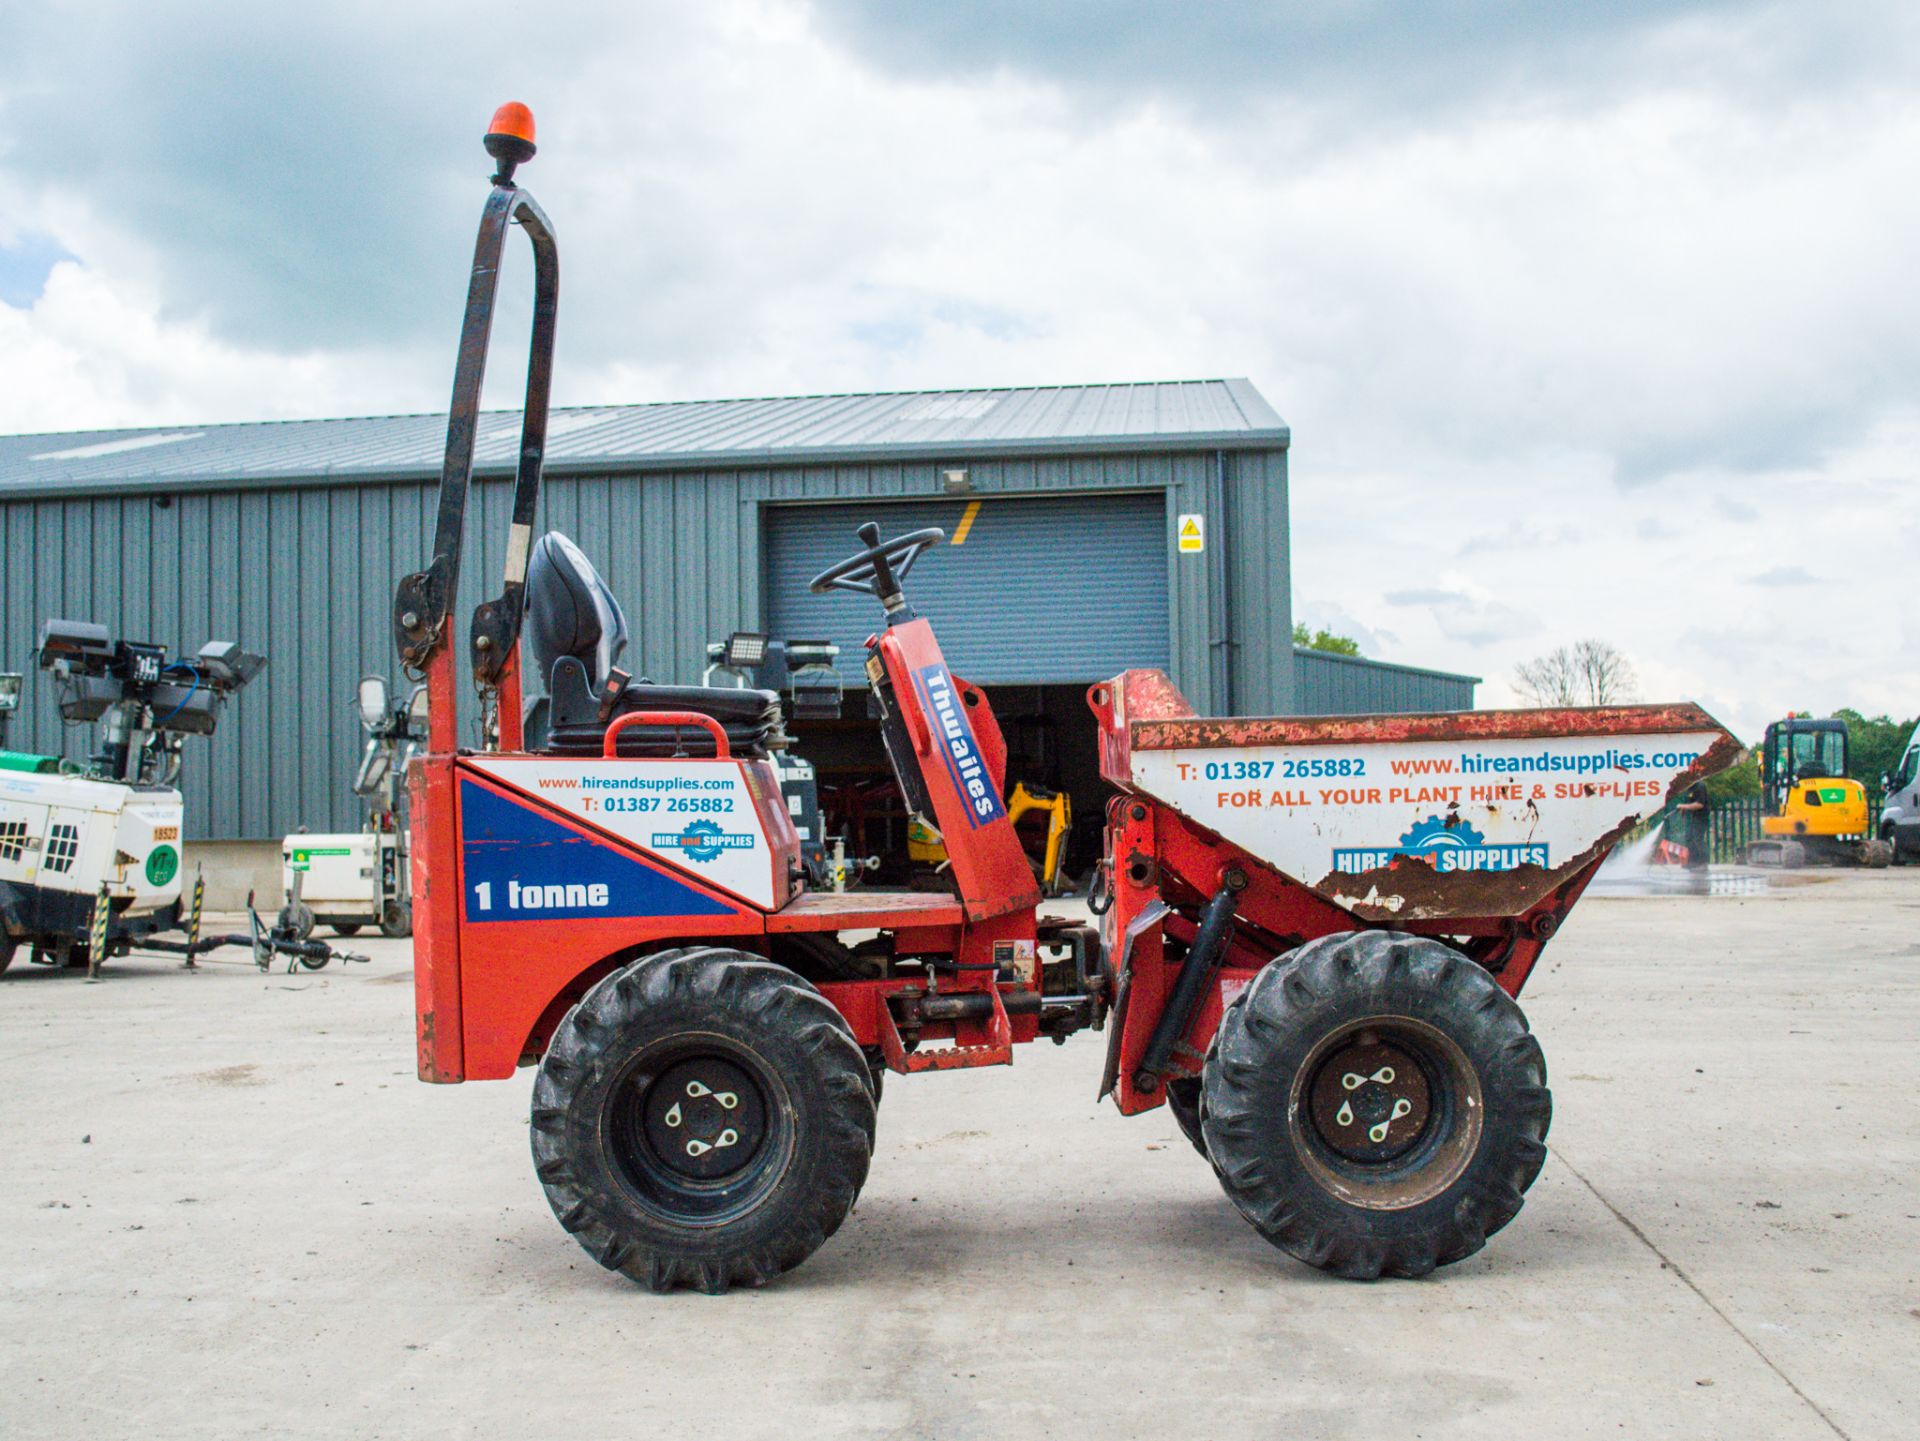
pixel 1196 974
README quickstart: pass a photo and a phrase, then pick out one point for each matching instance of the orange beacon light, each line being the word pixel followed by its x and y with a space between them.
pixel 510 139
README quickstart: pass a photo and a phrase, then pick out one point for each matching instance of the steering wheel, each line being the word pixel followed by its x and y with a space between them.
pixel 879 569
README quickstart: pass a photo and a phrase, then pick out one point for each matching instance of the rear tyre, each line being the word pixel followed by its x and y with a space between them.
pixel 702 1118
pixel 1374 1104
pixel 396 921
pixel 1183 1099
pixel 1793 856
pixel 1876 855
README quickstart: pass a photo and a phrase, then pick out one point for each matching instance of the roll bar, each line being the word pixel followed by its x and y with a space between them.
pixel 424 600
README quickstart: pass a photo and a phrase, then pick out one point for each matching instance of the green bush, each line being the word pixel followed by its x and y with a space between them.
pixel 1324 640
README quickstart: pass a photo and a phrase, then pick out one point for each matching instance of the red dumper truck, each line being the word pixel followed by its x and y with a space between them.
pixel 1308 935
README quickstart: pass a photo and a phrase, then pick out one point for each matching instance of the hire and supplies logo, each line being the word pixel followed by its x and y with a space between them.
pixel 703 841
pixel 1448 848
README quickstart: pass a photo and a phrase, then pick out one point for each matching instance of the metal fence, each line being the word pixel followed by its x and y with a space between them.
pixel 1733 825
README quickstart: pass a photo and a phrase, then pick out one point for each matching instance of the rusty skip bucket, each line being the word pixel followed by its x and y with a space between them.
pixel 1411 817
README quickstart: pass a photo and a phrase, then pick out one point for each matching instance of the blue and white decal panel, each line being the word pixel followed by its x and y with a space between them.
pixel 1326 812
pixel 519 862
pixel 700 816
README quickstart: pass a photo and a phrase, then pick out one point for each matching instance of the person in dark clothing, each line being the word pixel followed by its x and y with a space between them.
pixel 1687 827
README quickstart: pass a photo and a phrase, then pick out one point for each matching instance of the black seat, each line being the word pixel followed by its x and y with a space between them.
pixel 576 630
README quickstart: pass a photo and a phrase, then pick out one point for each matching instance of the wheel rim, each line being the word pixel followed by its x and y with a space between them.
pixel 1370 1102
pixel 1386 1112
pixel 701 1129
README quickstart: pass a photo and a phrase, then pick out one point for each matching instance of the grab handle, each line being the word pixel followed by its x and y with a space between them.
pixel 721 750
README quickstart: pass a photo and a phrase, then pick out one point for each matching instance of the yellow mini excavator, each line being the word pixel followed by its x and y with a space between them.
pixel 1816 814
pixel 925 848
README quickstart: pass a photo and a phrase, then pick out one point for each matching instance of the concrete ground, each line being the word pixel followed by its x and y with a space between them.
pixel 228 1209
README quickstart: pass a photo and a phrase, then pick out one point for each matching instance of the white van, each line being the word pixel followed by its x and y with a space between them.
pixel 1900 820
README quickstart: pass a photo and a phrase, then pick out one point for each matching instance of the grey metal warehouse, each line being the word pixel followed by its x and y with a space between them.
pixel 1062 504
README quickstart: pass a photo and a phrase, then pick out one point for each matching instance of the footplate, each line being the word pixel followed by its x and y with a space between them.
pixel 998 1050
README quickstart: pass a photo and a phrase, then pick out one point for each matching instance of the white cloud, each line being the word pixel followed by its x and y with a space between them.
pixel 1577 359
pixel 92 352
pixel 1784 575
pixel 1681 605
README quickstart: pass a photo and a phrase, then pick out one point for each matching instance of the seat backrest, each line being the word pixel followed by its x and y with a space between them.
pixel 570 611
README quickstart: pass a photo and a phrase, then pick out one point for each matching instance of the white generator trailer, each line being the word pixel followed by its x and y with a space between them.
pixel 361 878
pixel 90 851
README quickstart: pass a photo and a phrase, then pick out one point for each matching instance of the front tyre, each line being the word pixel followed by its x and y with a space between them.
pixel 1374 1104
pixel 702 1118
pixel 1183 1100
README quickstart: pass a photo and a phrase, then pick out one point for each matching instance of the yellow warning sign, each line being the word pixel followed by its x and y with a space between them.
pixel 1193 534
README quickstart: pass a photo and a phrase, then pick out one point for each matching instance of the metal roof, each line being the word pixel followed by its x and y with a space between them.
pixel 913 425
pixel 1368 662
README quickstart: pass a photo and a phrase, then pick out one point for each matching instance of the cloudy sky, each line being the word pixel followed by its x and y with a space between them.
pixel 1589 320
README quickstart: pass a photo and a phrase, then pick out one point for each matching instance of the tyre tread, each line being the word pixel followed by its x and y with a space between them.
pixel 1306 989
pixel 769 998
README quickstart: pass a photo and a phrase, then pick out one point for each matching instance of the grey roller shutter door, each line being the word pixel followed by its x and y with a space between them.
pixel 1040 590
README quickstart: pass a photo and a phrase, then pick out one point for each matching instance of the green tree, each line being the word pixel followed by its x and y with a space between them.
pixel 1325 640
pixel 1739 781
pixel 1874 746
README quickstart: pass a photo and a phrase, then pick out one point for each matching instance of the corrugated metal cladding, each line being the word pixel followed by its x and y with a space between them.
pixel 1027 590
pixel 299 575
pixel 289 539
pixel 1330 684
